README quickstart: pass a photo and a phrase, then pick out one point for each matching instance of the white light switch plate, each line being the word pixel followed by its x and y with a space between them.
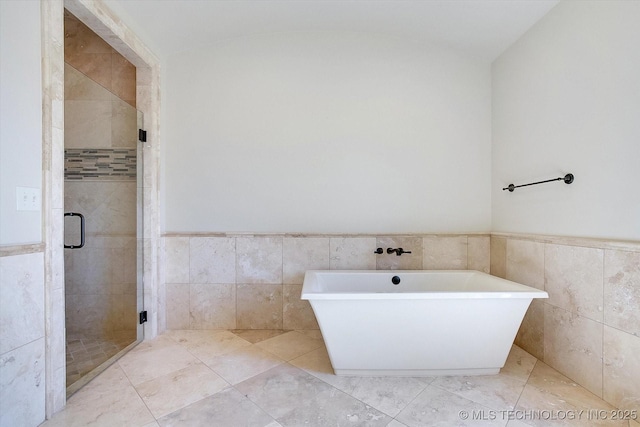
pixel 28 199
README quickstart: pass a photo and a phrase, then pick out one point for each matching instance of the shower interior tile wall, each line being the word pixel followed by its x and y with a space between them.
pixel 88 53
pixel 100 119
pixel 91 163
pixel 100 116
pixel 255 282
pixel 589 328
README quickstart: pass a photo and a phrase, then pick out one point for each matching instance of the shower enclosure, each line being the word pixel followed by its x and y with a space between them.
pixel 103 205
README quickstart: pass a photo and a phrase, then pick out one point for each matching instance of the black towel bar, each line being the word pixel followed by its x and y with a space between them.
pixel 568 179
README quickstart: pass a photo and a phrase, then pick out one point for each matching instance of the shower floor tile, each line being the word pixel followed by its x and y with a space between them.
pixel 281 378
pixel 84 354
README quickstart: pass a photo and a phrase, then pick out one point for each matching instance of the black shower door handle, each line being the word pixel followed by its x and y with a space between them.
pixel 81 230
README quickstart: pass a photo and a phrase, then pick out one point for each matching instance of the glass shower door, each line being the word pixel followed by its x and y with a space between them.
pixel 104 191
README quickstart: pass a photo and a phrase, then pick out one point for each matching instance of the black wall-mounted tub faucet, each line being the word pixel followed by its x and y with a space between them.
pixel 398 251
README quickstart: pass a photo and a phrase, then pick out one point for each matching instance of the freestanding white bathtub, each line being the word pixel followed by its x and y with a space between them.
pixel 431 323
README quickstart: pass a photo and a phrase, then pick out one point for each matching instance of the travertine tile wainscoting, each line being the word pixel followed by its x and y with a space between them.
pixel 22 335
pixel 589 328
pixel 254 282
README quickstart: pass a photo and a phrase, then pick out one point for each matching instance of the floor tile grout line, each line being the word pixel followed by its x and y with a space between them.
pixel 484 405
pixel 287 362
pixel 359 400
pixel 136 390
pixel 575 383
pixel 246 396
pixel 393 417
pixel 229 385
pixel 515 406
pixel 351 395
pixel 250 344
pixel 335 389
pixel 413 400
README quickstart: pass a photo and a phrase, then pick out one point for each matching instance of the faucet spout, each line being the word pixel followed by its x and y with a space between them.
pixel 397 251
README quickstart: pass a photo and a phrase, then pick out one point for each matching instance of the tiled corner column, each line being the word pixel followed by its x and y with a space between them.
pixel 53 202
pixel 255 281
pixel 589 328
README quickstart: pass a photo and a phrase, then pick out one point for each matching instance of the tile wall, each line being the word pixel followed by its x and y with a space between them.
pixel 22 339
pixel 589 328
pixel 91 55
pixel 107 164
pixel 100 182
pixel 100 118
pixel 254 282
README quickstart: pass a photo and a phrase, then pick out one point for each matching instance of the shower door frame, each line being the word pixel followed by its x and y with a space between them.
pixel 103 22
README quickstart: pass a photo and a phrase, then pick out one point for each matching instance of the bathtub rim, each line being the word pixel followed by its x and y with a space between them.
pixel 518 290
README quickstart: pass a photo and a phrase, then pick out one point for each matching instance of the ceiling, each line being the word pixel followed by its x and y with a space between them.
pixel 483 28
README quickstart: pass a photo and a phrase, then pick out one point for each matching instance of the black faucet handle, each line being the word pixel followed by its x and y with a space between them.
pixel 398 251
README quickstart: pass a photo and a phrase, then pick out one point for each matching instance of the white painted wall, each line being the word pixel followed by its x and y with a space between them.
pixel 20 118
pixel 22 334
pixel 566 98
pixel 326 132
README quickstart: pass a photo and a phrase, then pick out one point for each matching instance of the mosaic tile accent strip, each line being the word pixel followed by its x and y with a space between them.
pixel 100 164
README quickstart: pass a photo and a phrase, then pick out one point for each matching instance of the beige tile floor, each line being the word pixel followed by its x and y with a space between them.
pixel 279 378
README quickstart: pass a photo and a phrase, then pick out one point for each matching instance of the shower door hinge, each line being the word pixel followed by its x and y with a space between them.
pixel 142 135
pixel 143 317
